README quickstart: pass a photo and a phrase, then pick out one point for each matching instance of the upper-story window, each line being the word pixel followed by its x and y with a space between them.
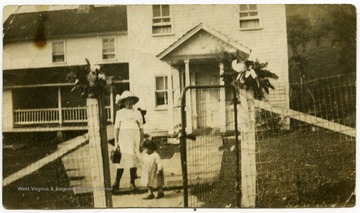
pixel 108 48
pixel 161 91
pixel 58 51
pixel 249 17
pixel 162 21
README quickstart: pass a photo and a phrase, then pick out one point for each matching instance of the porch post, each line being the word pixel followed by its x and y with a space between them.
pixel 59 106
pixel 111 104
pixel 170 104
pixel 188 108
pixel 222 108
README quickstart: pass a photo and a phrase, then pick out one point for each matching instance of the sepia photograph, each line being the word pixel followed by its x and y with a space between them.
pixel 236 105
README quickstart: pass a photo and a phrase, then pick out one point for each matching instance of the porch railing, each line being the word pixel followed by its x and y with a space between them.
pixel 74 115
pixel 52 116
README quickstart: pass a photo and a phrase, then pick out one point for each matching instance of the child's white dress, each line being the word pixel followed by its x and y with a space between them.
pixel 152 171
pixel 129 121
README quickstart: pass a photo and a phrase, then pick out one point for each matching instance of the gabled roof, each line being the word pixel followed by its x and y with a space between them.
pixel 208 29
pixel 65 23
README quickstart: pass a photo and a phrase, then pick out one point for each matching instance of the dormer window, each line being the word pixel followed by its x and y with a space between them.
pixel 162 21
pixel 249 17
pixel 108 48
pixel 58 51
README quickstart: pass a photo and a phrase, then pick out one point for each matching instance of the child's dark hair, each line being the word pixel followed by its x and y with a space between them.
pixel 150 144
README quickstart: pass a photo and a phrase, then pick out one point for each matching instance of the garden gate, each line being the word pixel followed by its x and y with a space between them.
pixel 209 146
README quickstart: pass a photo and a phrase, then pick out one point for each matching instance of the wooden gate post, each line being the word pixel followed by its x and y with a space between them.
pixel 99 156
pixel 246 120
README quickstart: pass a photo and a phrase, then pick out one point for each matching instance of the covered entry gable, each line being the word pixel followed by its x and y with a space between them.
pixel 202 41
pixel 194 54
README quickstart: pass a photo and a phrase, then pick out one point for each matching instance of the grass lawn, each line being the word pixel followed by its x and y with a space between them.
pixel 24 149
pixel 39 194
pixel 294 169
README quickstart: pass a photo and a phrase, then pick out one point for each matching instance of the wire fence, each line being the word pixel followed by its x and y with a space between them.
pixel 56 170
pixel 305 155
pixel 211 163
pixel 308 160
pixel 41 172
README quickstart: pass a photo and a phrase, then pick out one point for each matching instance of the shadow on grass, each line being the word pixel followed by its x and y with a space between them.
pixel 222 193
pixel 306 169
pixel 294 170
pixel 43 190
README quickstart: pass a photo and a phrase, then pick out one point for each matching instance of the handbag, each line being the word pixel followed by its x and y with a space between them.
pixel 115 156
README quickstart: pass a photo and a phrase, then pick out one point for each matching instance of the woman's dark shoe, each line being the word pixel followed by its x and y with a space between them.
pixel 133 188
pixel 133 176
pixel 119 173
pixel 115 187
pixel 149 197
pixel 160 195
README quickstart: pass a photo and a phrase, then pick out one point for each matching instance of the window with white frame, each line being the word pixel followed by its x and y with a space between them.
pixel 161 22
pixel 58 51
pixel 161 91
pixel 108 48
pixel 249 16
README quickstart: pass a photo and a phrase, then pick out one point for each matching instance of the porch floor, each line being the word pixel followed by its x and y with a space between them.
pixel 43 129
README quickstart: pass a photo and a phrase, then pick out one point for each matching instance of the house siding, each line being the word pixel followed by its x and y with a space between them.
pixel 268 44
pixel 23 55
pixel 139 48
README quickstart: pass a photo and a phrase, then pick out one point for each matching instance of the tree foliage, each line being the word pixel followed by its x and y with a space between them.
pixel 321 38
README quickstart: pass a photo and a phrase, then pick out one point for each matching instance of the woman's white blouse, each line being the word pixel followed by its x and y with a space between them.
pixel 128 119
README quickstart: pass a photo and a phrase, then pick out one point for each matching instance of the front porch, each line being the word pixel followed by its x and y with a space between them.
pixel 48 120
pixel 193 59
pixel 31 115
pixel 54 116
pixel 43 99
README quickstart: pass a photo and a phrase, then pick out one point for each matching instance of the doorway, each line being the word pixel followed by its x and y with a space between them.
pixel 207 100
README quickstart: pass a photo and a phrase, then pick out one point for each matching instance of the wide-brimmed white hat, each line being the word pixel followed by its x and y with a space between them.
pixel 119 99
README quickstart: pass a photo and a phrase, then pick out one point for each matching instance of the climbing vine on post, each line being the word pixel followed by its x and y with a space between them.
pixel 92 85
pixel 89 81
pixel 246 74
pixel 251 79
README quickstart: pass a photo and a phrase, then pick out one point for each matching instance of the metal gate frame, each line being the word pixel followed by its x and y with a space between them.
pixel 184 136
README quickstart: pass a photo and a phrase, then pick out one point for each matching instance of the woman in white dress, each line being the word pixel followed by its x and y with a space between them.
pixel 128 135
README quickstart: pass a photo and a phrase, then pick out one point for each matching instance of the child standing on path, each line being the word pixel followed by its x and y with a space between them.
pixel 154 176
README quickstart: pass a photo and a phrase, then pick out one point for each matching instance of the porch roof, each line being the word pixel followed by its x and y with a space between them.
pixel 226 40
pixel 47 76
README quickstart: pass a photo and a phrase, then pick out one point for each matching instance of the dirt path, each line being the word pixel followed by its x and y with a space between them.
pixel 173 199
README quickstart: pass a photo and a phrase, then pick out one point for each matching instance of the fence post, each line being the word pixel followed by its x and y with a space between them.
pixel 237 149
pixel 96 115
pixel 246 119
pixel 222 102
pixel 183 146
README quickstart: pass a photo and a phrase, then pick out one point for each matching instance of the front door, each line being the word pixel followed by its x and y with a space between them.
pixel 207 100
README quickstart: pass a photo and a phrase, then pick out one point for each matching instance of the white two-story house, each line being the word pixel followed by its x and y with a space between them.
pixel 153 50
pixel 41 50
pixel 173 46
